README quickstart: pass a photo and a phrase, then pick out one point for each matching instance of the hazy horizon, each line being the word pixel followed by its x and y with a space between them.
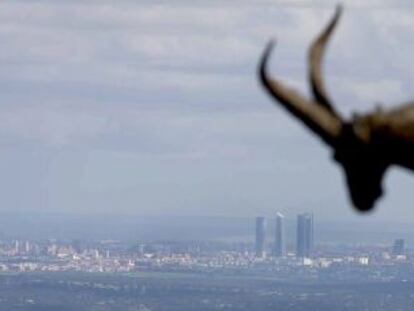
pixel 137 148
pixel 141 228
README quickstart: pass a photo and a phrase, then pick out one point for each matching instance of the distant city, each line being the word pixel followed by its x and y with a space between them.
pixel 304 236
pixel 306 260
pixel 271 269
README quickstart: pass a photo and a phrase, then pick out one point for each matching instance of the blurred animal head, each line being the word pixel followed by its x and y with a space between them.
pixel 364 146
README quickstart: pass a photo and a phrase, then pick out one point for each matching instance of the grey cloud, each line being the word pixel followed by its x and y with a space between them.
pixel 156 106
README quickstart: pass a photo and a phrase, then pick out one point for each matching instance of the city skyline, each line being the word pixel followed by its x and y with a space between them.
pixel 161 273
pixel 144 168
pixel 112 255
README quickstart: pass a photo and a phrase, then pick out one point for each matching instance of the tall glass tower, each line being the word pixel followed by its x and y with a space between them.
pixel 398 247
pixel 304 235
pixel 260 236
pixel 280 246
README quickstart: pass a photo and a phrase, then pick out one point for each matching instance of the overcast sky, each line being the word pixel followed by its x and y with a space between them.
pixel 153 108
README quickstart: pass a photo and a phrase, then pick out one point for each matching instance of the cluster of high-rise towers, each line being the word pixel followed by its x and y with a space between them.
pixel 304 236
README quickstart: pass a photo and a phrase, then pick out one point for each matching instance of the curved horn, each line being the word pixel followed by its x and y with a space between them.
pixel 317 117
pixel 315 56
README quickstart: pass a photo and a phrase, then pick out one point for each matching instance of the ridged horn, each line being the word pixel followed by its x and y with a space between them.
pixel 315 56
pixel 316 117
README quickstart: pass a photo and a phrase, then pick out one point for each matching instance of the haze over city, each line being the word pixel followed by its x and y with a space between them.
pixel 143 167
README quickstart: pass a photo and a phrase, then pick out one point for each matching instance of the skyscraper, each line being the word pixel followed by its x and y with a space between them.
pixel 280 246
pixel 304 235
pixel 398 247
pixel 260 236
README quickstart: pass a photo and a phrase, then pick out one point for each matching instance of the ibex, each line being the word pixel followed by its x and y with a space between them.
pixel 366 145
